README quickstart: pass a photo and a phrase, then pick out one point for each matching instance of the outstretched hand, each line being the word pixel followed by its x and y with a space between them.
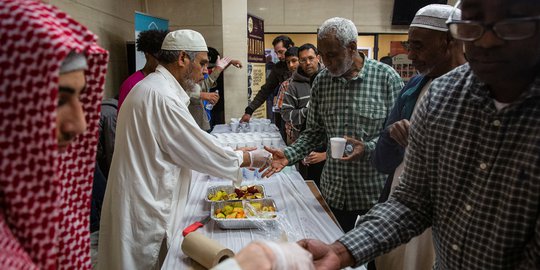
pixel 279 161
pixel 223 62
pixel 260 158
pixel 324 256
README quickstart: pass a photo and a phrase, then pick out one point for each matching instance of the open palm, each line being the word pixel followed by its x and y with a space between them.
pixel 279 161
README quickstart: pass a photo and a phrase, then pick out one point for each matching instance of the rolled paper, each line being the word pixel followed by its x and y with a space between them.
pixel 204 250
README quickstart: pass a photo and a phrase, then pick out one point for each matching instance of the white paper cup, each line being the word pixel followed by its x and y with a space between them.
pixel 234 127
pixel 337 146
pixel 255 127
pixel 276 142
pixel 232 145
pixel 267 142
pixel 240 144
pixel 244 127
pixel 251 143
pixel 259 143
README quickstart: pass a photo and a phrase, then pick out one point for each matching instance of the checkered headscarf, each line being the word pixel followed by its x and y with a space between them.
pixel 44 195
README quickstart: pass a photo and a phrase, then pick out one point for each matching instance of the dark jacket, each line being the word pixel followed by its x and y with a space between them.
pixel 388 153
pixel 107 133
pixel 294 109
pixel 98 193
pixel 279 74
pixel 296 99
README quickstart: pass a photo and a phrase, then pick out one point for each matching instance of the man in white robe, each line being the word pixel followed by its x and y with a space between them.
pixel 158 143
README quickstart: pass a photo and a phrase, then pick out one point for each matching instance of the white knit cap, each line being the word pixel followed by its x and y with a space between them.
pixel 184 40
pixel 434 17
pixel 74 61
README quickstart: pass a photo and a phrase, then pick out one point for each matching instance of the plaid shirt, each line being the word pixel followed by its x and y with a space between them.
pixel 356 108
pixel 283 88
pixel 473 173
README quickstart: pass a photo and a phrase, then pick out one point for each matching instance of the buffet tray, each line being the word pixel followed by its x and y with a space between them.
pixel 243 223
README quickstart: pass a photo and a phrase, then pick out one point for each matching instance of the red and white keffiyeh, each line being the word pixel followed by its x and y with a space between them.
pixel 44 195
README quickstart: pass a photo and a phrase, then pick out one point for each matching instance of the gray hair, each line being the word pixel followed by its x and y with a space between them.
pixel 344 30
pixel 168 56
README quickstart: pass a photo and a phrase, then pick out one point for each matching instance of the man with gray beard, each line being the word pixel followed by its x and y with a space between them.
pixel 350 97
pixel 157 145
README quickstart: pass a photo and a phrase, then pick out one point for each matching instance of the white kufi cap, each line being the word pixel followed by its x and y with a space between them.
pixel 434 17
pixel 74 61
pixel 184 40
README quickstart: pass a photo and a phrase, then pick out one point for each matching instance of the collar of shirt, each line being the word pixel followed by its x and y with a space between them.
pixel 173 84
pixel 480 91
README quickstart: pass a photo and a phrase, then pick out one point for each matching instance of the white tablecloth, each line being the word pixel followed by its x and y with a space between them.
pixel 300 214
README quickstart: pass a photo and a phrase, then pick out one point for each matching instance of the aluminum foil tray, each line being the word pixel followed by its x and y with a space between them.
pixel 243 223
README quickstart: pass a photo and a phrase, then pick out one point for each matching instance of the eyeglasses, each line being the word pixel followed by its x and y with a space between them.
pixel 511 29
pixel 305 60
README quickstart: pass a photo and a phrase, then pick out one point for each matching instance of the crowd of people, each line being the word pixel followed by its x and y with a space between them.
pixel 442 172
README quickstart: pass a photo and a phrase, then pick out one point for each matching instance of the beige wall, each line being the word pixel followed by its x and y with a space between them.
pixel 285 16
pixel 235 45
pixel 113 23
pixel 282 16
pixel 298 39
pixel 203 16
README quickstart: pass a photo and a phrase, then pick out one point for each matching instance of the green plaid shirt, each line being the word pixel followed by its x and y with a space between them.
pixel 356 108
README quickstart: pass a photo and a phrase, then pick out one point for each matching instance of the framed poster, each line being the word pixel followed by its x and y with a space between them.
pixel 256 61
pixel 367 51
pixel 400 60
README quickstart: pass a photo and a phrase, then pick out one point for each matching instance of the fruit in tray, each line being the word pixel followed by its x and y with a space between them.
pixel 235 210
pixel 242 193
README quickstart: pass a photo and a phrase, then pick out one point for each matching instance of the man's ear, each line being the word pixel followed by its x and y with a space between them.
pixel 183 58
pixel 352 46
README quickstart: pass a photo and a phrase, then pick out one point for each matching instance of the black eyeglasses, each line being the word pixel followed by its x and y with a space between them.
pixel 511 29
